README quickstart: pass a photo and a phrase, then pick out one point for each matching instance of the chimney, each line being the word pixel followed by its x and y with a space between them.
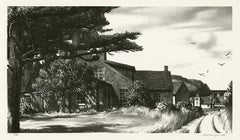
pixel 165 68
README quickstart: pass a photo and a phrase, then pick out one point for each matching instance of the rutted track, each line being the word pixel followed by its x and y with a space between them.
pixel 208 124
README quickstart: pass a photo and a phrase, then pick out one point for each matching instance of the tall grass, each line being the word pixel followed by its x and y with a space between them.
pixel 141 110
pixel 226 119
pixel 167 121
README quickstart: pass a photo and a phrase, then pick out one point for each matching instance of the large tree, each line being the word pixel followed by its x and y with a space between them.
pixel 36 34
pixel 63 79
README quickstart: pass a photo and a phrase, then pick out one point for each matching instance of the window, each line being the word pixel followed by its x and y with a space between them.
pixel 81 99
pixel 27 98
pixel 157 97
pixel 123 93
pixel 101 96
pixel 100 73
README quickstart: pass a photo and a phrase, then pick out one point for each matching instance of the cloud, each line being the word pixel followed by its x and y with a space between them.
pixel 217 18
pixel 212 18
pixel 210 43
pixel 204 41
pixel 182 65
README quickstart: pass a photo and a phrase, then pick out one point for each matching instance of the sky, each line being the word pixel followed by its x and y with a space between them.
pixel 191 41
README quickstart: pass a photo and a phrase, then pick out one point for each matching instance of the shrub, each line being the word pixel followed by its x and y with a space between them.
pixel 184 105
pixel 138 95
pixel 26 108
pixel 198 111
pixel 166 107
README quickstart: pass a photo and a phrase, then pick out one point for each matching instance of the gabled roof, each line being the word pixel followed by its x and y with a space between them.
pixel 218 90
pixel 176 87
pixel 116 64
pixel 155 80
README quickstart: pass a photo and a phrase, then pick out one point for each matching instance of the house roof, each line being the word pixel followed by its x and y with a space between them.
pixel 112 63
pixel 155 80
pixel 176 87
pixel 218 90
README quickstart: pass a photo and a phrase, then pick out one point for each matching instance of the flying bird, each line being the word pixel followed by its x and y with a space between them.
pixel 221 64
pixel 229 53
pixel 193 43
pixel 201 74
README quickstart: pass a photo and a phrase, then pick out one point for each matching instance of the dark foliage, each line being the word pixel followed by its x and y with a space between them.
pixel 36 34
pixel 138 95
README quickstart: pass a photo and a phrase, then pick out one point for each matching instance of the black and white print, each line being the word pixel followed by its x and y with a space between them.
pixel 119 69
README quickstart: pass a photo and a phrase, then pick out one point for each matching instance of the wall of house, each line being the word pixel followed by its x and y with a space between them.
pixel 116 79
pixel 107 98
pixel 182 95
pixel 161 96
pixel 88 102
pixel 166 97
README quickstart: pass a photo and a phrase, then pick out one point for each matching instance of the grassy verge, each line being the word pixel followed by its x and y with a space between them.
pixel 167 121
pixel 226 119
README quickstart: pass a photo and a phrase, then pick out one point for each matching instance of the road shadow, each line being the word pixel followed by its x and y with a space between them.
pixel 96 127
pixel 44 118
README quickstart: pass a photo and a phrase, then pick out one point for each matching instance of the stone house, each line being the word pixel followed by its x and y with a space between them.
pixel 159 84
pixel 118 77
pixel 112 81
pixel 180 92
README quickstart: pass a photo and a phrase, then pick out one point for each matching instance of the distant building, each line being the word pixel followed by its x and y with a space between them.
pixel 197 100
pixel 215 98
pixel 180 92
pixel 159 84
pixel 218 97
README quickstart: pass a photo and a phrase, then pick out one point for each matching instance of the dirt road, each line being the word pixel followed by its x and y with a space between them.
pixel 208 124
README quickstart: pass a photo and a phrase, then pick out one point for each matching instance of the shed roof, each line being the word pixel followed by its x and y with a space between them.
pixel 176 87
pixel 155 80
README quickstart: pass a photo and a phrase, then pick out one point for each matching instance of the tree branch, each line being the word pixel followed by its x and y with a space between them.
pixel 27 53
pixel 26 60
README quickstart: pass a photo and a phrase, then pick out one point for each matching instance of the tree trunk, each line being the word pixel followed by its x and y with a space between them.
pixel 14 87
pixel 63 103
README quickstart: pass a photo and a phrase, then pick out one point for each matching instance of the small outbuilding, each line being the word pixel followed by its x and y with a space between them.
pixel 180 92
